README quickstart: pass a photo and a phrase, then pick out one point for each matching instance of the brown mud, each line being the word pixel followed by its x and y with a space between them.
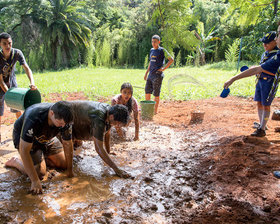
pixel 210 172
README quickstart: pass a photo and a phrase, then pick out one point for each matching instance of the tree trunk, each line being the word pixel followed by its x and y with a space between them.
pixel 275 7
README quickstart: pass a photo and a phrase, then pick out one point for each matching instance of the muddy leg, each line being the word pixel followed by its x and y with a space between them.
pixel 16 162
pixel 157 103
pixel 148 96
pixel 57 160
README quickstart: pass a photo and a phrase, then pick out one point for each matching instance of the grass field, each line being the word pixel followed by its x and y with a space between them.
pixel 106 82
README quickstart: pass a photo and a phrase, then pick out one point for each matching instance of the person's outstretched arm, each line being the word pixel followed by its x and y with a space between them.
pixel 30 76
pixel 136 121
pixel 68 152
pixel 249 72
pixel 24 151
pixel 106 158
pixel 107 141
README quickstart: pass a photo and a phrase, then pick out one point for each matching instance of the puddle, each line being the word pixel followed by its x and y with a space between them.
pixel 160 162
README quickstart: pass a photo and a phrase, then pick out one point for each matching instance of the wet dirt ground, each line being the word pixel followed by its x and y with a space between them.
pixel 211 172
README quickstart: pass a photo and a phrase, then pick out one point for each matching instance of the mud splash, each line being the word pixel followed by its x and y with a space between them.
pixel 161 160
pixel 180 177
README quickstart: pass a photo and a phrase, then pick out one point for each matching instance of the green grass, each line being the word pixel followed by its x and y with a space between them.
pixel 106 82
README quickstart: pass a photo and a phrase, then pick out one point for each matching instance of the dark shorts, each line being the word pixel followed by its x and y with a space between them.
pixel 2 97
pixel 263 88
pixel 39 150
pixel 153 86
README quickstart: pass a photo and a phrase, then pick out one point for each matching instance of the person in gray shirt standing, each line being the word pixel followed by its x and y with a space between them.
pixel 8 58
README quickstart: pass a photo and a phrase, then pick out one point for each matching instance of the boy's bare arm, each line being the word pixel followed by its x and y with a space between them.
pixel 24 151
pixel 249 72
pixel 68 152
pixel 30 76
pixel 107 141
pixel 170 61
pixel 136 120
pixel 106 158
pixel 3 85
pixel 147 72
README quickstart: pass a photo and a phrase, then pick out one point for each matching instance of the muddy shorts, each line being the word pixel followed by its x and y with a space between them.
pixel 2 97
pixel 39 150
pixel 263 88
pixel 153 86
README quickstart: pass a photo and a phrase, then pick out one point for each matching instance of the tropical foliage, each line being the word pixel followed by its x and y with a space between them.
pixel 57 34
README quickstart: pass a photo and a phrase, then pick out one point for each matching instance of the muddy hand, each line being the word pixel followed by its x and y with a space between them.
pixel 123 174
pixel 228 83
pixel 36 188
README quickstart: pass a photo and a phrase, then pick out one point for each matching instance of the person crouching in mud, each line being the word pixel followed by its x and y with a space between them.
pixel 34 135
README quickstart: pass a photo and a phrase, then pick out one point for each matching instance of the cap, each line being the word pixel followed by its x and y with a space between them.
pixel 268 37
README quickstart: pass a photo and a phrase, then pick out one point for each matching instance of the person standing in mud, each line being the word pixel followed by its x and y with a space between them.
pixel 35 131
pixel 267 84
pixel 155 70
pixel 8 58
pixel 126 98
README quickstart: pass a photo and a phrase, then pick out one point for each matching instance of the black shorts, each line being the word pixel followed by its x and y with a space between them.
pixel 53 147
pixel 153 86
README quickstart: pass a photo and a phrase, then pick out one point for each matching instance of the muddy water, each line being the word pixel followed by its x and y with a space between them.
pixel 163 162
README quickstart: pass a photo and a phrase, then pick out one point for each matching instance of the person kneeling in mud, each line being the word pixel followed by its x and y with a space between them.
pixel 93 121
pixel 126 99
pixel 90 121
pixel 34 135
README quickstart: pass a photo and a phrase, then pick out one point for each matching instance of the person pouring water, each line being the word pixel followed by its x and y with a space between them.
pixel 266 82
pixel 8 58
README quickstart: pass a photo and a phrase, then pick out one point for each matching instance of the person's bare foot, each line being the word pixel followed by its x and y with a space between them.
pixel 15 162
pixel 12 162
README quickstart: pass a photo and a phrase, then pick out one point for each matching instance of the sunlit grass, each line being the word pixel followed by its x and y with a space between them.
pixel 105 82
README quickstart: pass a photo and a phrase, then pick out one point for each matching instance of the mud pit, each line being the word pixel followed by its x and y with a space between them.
pixel 211 172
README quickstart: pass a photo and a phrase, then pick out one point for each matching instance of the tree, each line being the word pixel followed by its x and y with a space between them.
pixel 204 40
pixel 175 20
pixel 247 12
pixel 63 28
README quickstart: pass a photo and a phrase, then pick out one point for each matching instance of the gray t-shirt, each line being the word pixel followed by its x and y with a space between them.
pixel 90 119
pixel 7 67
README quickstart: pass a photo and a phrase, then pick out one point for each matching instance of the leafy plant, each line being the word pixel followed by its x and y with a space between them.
pixel 231 53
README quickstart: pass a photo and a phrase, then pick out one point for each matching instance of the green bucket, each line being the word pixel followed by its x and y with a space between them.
pixel 147 109
pixel 21 98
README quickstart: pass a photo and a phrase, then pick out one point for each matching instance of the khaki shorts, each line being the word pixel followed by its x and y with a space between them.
pixel 39 150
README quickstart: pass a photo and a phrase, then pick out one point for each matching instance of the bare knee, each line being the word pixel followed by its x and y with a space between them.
pixel 57 161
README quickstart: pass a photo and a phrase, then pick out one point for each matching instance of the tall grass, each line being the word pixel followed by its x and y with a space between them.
pixel 106 82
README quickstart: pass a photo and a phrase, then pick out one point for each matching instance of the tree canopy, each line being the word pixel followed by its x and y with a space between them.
pixel 55 34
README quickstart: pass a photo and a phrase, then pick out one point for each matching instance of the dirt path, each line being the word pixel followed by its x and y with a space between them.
pixel 211 172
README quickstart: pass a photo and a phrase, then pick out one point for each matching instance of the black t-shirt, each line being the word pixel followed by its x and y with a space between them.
pixel 90 119
pixel 33 125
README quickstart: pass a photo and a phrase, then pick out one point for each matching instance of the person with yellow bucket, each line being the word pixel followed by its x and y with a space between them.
pixel 8 58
